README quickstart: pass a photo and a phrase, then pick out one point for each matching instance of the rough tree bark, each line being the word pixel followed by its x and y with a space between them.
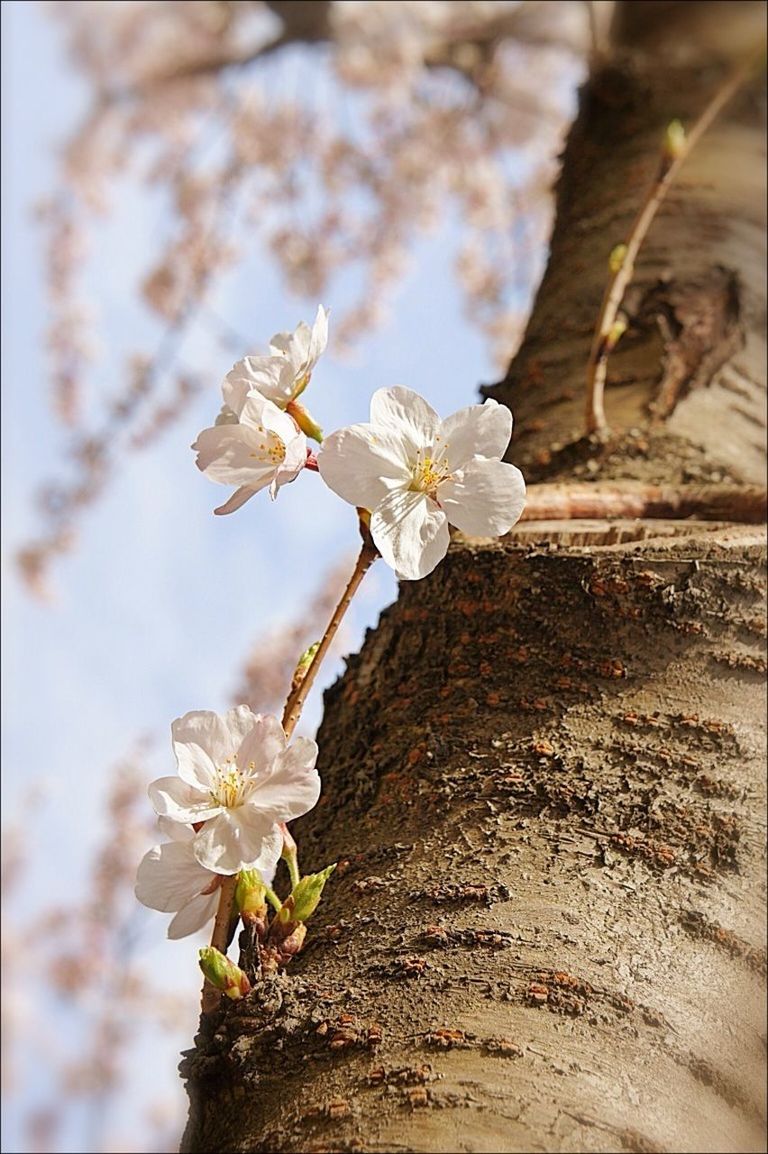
pixel 543 773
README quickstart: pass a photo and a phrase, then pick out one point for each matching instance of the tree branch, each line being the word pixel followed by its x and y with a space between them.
pixel 610 326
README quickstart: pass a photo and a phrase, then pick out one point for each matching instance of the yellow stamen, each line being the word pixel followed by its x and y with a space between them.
pixel 428 473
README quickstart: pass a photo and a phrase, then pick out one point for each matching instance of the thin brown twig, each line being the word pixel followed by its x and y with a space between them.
pixel 609 328
pixel 297 697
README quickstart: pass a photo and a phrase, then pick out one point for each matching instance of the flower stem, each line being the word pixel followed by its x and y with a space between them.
pixel 298 696
pixel 293 869
pixel 291 715
pixel 607 332
pixel 273 899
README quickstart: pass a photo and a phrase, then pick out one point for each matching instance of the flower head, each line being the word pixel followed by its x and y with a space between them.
pixel 252 446
pixel 239 778
pixel 417 474
pixel 284 374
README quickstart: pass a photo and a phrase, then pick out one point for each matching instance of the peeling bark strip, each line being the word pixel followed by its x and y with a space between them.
pixel 546 928
pixel 745 504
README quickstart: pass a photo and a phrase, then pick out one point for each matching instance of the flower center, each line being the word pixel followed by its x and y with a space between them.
pixel 230 788
pixel 272 450
pixel 427 473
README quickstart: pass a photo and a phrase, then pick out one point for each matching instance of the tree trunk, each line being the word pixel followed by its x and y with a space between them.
pixel 543 774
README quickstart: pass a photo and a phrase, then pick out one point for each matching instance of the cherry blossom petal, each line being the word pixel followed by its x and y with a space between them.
pixel 318 340
pixel 272 377
pixel 410 532
pixel 239 722
pixel 194 915
pixel 234 390
pixel 236 501
pixel 175 831
pixel 264 741
pixel 303 347
pixel 176 799
pixel 235 455
pixel 200 740
pixel 294 461
pixel 169 876
pixel 288 470
pixel 236 839
pixel 406 416
pixel 293 785
pixel 283 343
pixel 296 345
pixel 262 415
pixel 203 741
pixel 485 499
pixel 362 464
pixel 478 430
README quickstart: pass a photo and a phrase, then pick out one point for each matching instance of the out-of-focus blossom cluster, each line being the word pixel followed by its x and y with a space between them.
pixel 86 968
pixel 329 136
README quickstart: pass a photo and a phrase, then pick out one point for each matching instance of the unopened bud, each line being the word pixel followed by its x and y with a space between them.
pixel 306 896
pixel 291 945
pixel 616 259
pixel 616 332
pixel 250 897
pixel 289 841
pixel 305 421
pixel 300 673
pixel 223 974
pixel 674 140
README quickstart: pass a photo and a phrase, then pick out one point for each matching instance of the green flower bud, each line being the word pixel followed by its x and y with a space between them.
pixel 616 332
pixel 674 140
pixel 303 665
pixel 306 896
pixel 223 974
pixel 250 896
pixel 616 258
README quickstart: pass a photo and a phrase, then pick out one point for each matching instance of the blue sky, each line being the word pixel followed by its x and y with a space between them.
pixel 160 602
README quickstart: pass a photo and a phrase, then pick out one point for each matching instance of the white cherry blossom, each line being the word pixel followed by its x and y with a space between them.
pixel 282 375
pixel 239 778
pixel 252 446
pixel 171 879
pixel 417 474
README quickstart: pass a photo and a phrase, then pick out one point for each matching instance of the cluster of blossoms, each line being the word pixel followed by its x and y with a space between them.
pixel 414 473
pixel 409 475
pixel 238 782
